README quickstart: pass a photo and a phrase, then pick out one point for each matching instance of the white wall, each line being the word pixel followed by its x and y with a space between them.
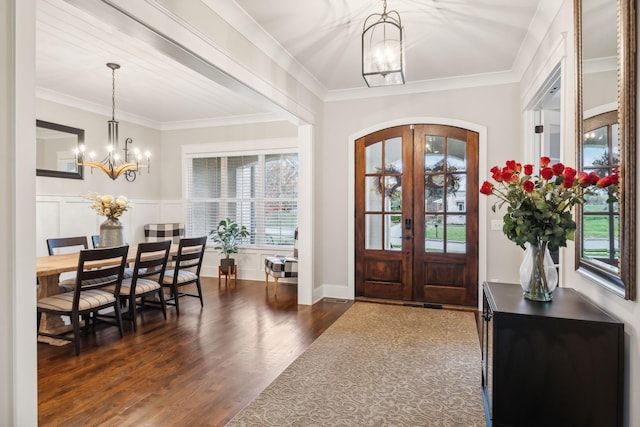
pixel 492 107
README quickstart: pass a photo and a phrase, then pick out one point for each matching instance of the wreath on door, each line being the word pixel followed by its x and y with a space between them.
pixel 390 180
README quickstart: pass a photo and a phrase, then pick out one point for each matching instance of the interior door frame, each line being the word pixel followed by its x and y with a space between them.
pixel 482 204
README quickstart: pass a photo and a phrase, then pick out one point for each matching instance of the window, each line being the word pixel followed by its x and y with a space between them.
pixel 259 191
pixel 599 236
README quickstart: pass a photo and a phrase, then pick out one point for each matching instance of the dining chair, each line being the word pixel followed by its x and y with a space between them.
pixel 186 271
pixel 148 273
pixel 95 240
pixel 98 270
pixel 65 245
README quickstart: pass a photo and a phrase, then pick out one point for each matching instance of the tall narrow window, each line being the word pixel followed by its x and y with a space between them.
pixel 259 191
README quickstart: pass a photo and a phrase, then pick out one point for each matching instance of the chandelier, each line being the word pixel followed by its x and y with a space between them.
pixel 113 165
pixel 382 49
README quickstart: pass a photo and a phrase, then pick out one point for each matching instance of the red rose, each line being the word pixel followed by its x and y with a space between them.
pixel 494 169
pixel 507 175
pixel 528 186
pixel 604 182
pixel 567 182
pixel 487 188
pixel 497 176
pixel 558 168
pixel 569 173
pixel 511 165
pixel 615 179
pixel 546 173
pixel 544 162
pixel 594 178
pixel 528 169
pixel 583 179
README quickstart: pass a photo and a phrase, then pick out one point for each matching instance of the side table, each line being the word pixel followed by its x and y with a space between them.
pixel 227 275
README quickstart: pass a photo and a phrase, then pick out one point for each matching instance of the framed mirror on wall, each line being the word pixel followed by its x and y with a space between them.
pixel 606 138
pixel 55 145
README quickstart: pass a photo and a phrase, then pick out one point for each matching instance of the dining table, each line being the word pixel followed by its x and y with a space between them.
pixel 48 270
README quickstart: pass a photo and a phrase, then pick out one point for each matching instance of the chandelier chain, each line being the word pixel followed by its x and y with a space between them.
pixel 113 93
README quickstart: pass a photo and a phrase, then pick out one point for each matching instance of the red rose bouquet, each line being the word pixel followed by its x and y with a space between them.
pixel 539 207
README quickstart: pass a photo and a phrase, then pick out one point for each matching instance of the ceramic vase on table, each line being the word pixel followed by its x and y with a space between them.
pixel 538 274
pixel 111 233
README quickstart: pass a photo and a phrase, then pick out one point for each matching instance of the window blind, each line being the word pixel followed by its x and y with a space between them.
pixel 259 191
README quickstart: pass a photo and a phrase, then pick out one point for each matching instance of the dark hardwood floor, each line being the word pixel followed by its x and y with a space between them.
pixel 198 369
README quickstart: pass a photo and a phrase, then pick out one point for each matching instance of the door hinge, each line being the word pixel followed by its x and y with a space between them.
pixel 538 129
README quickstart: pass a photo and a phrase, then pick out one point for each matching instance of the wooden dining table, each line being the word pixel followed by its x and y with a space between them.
pixel 48 270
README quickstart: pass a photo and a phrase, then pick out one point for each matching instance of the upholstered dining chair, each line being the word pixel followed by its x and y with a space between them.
pixel 186 271
pixel 281 266
pixel 167 231
pixel 148 272
pixel 98 270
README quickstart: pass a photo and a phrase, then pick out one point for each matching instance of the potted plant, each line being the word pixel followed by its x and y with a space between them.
pixel 227 236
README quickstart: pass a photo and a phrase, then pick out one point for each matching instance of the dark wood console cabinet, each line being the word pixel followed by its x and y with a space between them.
pixel 557 363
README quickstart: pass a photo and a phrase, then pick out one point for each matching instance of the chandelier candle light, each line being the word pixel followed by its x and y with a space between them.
pixel 539 213
pixel 112 164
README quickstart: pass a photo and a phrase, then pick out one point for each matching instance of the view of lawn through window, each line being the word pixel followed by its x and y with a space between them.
pixel 259 191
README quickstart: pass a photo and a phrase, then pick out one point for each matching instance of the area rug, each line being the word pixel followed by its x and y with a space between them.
pixel 380 365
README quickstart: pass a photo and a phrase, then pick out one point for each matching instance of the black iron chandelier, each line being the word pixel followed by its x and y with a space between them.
pixel 113 165
pixel 383 49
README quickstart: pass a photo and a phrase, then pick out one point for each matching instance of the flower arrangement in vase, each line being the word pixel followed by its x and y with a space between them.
pixel 539 212
pixel 111 230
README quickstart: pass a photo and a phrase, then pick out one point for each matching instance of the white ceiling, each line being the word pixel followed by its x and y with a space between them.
pixel 445 40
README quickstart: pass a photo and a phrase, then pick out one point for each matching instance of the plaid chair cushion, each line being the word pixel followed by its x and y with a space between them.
pixel 161 232
pixel 281 266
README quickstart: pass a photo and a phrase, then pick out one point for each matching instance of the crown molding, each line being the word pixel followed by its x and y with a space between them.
pixel 537 31
pixel 435 85
pixel 222 121
pixel 239 19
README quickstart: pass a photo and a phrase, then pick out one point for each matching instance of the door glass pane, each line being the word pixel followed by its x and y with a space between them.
pixel 393 202
pixel 372 194
pixel 373 158
pixel 393 232
pixel 456 192
pixel 434 234
pixel 393 153
pixel 373 231
pixel 456 155
pixel 456 233
pixel 434 193
pixel 433 153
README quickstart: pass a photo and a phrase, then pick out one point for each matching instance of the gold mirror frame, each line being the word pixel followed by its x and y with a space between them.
pixel 625 282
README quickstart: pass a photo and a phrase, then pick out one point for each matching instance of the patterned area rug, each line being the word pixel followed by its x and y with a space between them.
pixel 380 365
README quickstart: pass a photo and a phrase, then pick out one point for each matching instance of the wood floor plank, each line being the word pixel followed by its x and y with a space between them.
pixel 200 368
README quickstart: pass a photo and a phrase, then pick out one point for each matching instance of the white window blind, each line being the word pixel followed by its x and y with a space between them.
pixel 259 191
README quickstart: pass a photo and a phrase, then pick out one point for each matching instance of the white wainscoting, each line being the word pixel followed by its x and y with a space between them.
pixel 69 216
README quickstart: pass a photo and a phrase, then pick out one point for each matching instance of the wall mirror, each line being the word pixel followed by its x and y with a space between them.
pixel 55 145
pixel 606 126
